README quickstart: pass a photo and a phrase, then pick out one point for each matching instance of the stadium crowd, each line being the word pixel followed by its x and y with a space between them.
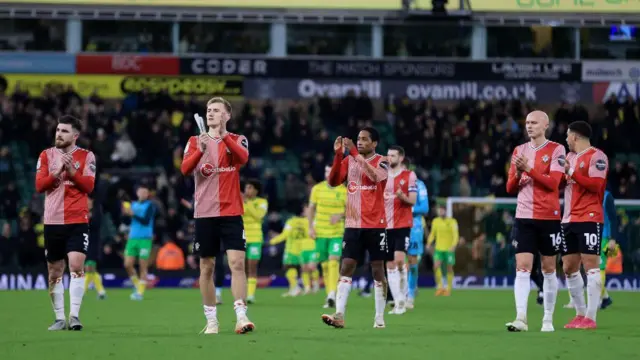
pixel 460 149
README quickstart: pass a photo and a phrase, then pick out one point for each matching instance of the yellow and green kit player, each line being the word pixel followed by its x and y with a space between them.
pixel 444 230
pixel 309 260
pixel 255 209
pixel 326 215
pixel 295 232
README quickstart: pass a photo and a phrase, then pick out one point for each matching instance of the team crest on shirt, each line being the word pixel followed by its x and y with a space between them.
pixel 76 165
pixel 545 159
pixel 582 165
pixel 401 182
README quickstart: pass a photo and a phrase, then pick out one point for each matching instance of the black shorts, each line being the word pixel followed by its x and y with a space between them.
pixel 214 232
pixel 356 243
pixel 582 238
pixel 59 240
pixel 398 240
pixel 537 236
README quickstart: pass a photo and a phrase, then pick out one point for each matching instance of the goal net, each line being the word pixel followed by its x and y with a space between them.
pixel 486 256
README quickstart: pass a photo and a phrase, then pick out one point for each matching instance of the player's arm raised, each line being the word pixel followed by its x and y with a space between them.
pixel 552 181
pixel 84 181
pixel 513 177
pixel 193 152
pixel 596 178
pixel 340 166
pixel 239 149
pixel 45 180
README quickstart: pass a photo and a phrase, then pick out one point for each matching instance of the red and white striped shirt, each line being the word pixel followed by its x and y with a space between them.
pixel 538 190
pixel 365 189
pixel 217 174
pixel 66 198
pixel 399 213
pixel 584 193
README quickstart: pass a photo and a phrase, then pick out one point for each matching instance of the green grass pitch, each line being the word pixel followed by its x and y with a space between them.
pixel 467 325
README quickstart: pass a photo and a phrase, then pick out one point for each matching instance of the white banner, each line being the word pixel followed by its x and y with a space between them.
pixel 602 71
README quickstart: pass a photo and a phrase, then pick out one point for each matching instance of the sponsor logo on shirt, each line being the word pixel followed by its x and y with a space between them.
pixel 353 187
pixel 207 169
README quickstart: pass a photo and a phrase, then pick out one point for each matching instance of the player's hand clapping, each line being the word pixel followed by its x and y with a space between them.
pixel 338 145
pixel 60 169
pixel 521 163
pixel 335 218
pixel 567 167
pixel 347 144
pixel 202 142
pixel 67 159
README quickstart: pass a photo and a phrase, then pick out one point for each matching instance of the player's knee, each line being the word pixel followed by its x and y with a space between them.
pixel 377 272
pixel 348 267
pixel 206 267
pixel 76 264
pixel 56 270
pixel 590 262
pixel 524 262
pixel 236 265
pixel 399 261
pixel 548 264
pixel 450 268
pixel 570 267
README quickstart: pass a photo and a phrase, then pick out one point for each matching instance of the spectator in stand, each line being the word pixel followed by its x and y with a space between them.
pixel 7 246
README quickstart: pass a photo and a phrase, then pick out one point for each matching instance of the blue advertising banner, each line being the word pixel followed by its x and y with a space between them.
pixel 38 281
pixel 37 63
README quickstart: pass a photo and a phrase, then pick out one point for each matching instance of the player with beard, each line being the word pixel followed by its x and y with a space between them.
pixel 535 175
pixel 399 197
pixel 215 158
pixel 66 174
pixel 582 222
pixel 366 175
